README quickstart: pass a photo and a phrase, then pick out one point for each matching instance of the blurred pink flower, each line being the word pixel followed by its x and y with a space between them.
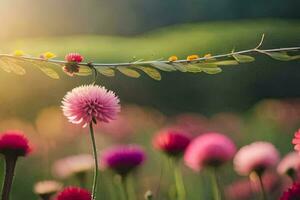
pixel 239 190
pixel 296 141
pixel 14 143
pixel 257 156
pixel 46 189
pixel 171 141
pixel 192 123
pixel 210 149
pixel 293 193
pixel 89 103
pixel 74 57
pixel 289 164
pixel 74 193
pixel 73 165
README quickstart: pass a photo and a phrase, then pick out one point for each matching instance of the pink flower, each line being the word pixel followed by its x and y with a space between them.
pixel 289 164
pixel 74 193
pixel 171 141
pixel 14 143
pixel 210 149
pixel 74 57
pixel 89 103
pixel 123 159
pixel 296 141
pixel 257 157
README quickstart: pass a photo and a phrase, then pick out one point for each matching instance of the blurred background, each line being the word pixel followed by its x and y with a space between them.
pixel 249 101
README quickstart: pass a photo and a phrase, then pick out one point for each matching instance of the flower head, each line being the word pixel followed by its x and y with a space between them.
pixel 290 164
pixel 256 157
pixel 296 141
pixel 19 53
pixel 123 159
pixel 47 188
pixel 171 141
pixel 74 57
pixel 210 149
pixel 47 55
pixel 72 66
pixel 293 193
pixel 89 103
pixel 14 143
pixel 73 165
pixel 74 193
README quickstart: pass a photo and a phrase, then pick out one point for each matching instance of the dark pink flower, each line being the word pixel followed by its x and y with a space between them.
pixel 171 141
pixel 293 193
pixel 290 164
pixel 89 103
pixel 74 57
pixel 256 157
pixel 123 159
pixel 74 193
pixel 210 149
pixel 14 143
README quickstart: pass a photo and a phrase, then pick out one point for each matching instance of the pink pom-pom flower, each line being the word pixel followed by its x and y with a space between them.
pixel 171 141
pixel 74 193
pixel 293 193
pixel 90 103
pixel 256 157
pixel 123 159
pixel 14 143
pixel 296 141
pixel 74 57
pixel 210 149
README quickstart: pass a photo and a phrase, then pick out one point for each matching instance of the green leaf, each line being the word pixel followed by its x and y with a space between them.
pixel 4 66
pixel 153 73
pixel 14 65
pixel 163 66
pixel 226 62
pixel 129 72
pixel 106 71
pixel 282 56
pixel 84 71
pixel 243 58
pixel 214 70
pixel 180 67
pixel 193 68
pixel 49 72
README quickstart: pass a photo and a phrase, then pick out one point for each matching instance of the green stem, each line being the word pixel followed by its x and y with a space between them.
pixel 10 164
pixel 181 194
pixel 215 185
pixel 263 191
pixel 95 182
pixel 130 188
pixel 125 194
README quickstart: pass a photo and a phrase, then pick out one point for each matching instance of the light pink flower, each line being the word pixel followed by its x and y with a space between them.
pixel 210 149
pixel 257 156
pixel 89 103
pixel 290 162
pixel 296 141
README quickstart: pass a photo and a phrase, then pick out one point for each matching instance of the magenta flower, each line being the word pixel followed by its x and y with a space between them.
pixel 74 193
pixel 14 142
pixel 171 141
pixel 72 66
pixel 123 159
pixel 293 193
pixel 89 103
pixel 210 149
pixel 256 157
pixel 74 57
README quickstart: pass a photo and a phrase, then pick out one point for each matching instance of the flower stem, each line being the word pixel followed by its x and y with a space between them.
pixel 125 194
pixel 130 188
pixel 10 164
pixel 263 191
pixel 95 182
pixel 215 185
pixel 181 194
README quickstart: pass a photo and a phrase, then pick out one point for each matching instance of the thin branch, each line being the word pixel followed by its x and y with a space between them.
pixel 137 63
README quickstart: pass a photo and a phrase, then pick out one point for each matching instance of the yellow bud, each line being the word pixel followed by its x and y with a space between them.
pixel 48 55
pixel 192 57
pixel 19 53
pixel 173 58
